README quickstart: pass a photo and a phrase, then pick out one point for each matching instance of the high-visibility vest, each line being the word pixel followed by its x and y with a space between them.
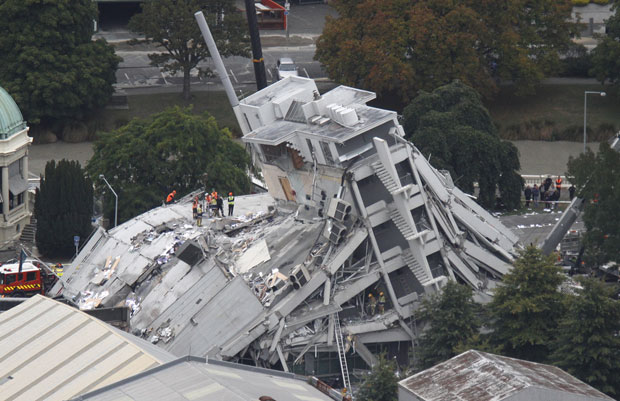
pixel 231 200
pixel 558 183
pixel 170 197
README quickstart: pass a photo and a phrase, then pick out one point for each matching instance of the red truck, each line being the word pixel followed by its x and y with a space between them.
pixel 33 279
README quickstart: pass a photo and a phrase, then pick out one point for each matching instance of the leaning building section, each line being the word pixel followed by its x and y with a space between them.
pixel 353 209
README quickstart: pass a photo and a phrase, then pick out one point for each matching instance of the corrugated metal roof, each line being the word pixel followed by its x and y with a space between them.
pixel 480 376
pixel 194 379
pixel 51 351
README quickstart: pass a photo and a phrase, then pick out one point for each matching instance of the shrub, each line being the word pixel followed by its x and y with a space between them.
pixel 580 2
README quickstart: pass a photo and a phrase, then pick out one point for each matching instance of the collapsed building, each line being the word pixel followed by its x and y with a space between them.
pixel 353 209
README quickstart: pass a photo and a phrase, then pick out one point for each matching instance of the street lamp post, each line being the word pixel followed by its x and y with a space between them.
pixel 585 108
pixel 116 202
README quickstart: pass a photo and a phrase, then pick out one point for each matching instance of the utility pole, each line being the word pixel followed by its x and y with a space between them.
pixel 287 12
pixel 257 51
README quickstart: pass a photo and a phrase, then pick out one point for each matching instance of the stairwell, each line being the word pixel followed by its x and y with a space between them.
pixel 418 271
pixel 29 231
pixel 402 225
pixel 385 177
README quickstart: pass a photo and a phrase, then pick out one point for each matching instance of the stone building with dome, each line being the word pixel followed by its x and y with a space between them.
pixel 14 144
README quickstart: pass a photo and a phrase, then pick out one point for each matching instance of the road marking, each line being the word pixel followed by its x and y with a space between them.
pixel 308 76
pixel 233 75
pixel 270 74
pixel 128 79
pixel 162 75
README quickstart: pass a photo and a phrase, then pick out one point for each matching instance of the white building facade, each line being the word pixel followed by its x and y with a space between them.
pixel 14 144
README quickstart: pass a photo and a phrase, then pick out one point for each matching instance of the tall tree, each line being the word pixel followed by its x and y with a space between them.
pixel 381 384
pixel 527 307
pixel 453 320
pixel 63 208
pixel 587 345
pixel 146 159
pixel 397 47
pixel 597 179
pixel 605 55
pixel 50 65
pixel 171 25
pixel 452 126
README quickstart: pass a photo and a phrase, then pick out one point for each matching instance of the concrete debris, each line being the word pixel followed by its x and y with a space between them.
pixel 357 228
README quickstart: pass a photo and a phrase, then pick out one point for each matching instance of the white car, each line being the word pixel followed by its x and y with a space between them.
pixel 285 67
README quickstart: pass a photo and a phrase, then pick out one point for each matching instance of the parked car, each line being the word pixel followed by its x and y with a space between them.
pixel 285 67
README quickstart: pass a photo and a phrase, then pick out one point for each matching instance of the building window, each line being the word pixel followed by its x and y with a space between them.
pixel 327 153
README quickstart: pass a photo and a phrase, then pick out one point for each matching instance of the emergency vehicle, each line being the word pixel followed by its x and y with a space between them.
pixel 32 279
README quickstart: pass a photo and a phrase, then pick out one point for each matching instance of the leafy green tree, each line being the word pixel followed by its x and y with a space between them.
pixel 63 208
pixel 146 159
pixel 171 25
pixel 398 47
pixel 587 345
pixel 50 65
pixel 452 126
pixel 452 315
pixel 381 384
pixel 597 179
pixel 527 307
pixel 605 55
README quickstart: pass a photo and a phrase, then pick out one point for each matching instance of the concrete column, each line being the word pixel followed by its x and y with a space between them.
pixel 5 191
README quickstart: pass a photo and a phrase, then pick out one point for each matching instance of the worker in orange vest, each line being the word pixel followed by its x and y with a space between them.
pixel 170 197
pixel 558 183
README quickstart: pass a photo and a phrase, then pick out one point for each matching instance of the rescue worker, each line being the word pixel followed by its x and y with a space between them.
pixel 558 184
pixel 220 206
pixel 199 215
pixel 208 203
pixel 381 303
pixel 59 269
pixel 231 203
pixel 214 204
pixel 170 197
pixel 195 208
pixel 372 304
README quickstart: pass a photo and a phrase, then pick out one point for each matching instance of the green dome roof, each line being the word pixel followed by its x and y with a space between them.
pixel 11 120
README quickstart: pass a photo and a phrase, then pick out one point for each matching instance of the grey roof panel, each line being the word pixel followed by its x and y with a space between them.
pixel 196 380
pixel 480 376
pixel 54 352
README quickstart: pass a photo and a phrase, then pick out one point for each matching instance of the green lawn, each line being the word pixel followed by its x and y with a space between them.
pixel 555 112
pixel 143 106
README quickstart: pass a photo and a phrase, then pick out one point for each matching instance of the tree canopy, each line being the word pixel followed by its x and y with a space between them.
pixel 50 65
pixel 453 322
pixel 63 208
pixel 605 55
pixel 174 150
pixel 452 126
pixel 171 25
pixel 597 179
pixel 397 47
pixel 381 384
pixel 587 345
pixel 527 307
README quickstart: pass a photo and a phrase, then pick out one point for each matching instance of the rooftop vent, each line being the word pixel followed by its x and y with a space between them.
pixel 342 115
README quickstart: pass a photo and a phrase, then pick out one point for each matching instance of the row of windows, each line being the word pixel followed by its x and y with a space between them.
pixel 11 278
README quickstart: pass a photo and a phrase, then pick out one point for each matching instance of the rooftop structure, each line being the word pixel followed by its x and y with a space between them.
pixel 480 376
pixel 353 209
pixel 11 120
pixel 52 351
pixel 201 379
